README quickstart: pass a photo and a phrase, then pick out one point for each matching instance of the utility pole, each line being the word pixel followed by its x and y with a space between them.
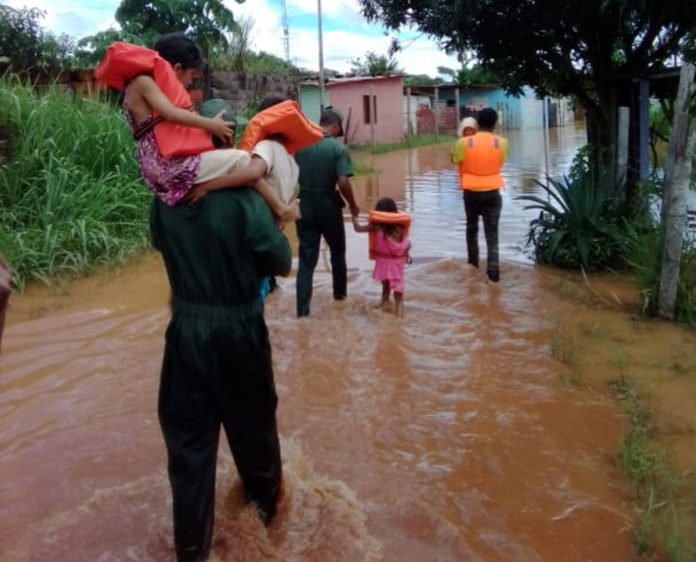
pixel 321 61
pixel 286 33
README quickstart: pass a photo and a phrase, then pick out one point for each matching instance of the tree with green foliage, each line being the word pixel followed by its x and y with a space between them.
pixel 205 21
pixel 421 80
pixel 449 74
pixel 374 65
pixel 208 22
pixel 90 50
pixel 590 50
pixel 27 45
pixel 477 74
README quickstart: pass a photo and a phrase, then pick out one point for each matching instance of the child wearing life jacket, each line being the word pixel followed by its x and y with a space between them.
pixel 174 144
pixel 467 128
pixel 270 161
pixel 389 247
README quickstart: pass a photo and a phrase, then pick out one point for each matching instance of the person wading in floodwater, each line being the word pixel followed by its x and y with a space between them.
pixel 480 158
pixel 217 369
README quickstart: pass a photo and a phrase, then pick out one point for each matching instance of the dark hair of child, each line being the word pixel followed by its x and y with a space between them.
pixel 176 48
pixel 388 205
pixel 270 101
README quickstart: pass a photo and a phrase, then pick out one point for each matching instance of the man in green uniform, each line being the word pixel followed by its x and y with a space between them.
pixel 217 368
pixel 323 166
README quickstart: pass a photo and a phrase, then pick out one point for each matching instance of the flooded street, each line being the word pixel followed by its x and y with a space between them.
pixel 450 435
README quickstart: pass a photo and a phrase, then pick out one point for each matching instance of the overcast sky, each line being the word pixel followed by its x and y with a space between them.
pixel 347 35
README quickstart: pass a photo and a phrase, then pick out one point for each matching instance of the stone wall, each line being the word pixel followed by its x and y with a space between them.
pixel 243 90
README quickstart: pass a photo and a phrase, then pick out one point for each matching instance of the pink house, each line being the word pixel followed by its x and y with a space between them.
pixel 370 105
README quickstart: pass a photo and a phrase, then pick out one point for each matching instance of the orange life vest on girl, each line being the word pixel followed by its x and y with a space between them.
pixel 285 119
pixel 382 217
pixel 479 169
pixel 123 62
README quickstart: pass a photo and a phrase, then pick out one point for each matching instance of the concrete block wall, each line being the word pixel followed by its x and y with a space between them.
pixel 243 90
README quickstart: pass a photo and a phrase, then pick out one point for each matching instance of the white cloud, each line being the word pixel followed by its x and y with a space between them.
pixel 421 56
pixel 72 17
pixel 346 34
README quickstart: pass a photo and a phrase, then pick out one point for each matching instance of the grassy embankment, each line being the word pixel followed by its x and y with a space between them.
pixel 362 153
pixel 649 367
pixel 71 198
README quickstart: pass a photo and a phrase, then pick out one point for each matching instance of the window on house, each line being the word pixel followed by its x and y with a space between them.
pixel 367 109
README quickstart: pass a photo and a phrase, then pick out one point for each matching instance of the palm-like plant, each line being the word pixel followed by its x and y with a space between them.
pixel 577 223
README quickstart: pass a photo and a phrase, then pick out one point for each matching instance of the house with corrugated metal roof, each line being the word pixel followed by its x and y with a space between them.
pixel 372 106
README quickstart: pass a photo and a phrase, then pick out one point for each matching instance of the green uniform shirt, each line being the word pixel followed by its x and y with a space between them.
pixel 320 166
pixel 321 163
pixel 217 250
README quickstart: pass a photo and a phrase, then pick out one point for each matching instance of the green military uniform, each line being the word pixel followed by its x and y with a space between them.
pixel 321 209
pixel 217 367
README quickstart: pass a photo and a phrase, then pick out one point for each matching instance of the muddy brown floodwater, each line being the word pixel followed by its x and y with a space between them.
pixel 451 435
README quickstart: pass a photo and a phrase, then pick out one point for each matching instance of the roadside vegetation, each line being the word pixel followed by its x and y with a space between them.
pixel 413 141
pixel 665 520
pixel 71 197
pixel 585 224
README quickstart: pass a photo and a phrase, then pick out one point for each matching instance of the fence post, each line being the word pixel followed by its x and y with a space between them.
pixel 373 115
pixel 457 112
pixel 436 112
pixel 622 146
pixel 408 115
pixel 677 174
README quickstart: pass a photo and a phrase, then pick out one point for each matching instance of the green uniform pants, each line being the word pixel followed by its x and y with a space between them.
pixel 217 372
pixel 322 215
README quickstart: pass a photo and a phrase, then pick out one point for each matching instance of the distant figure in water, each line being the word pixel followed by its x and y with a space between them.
pixel 5 290
pixel 480 158
pixel 467 127
pixel 390 247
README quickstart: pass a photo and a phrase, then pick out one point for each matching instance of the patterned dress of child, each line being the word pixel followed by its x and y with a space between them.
pixel 390 260
pixel 170 179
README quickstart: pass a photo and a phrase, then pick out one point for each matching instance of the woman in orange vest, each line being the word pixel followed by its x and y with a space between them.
pixel 480 158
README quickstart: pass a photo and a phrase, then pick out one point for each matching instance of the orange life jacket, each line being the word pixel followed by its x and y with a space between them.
pixel 123 62
pixel 382 217
pixel 285 119
pixel 479 169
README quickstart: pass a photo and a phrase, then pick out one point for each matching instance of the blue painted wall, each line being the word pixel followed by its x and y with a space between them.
pixel 309 101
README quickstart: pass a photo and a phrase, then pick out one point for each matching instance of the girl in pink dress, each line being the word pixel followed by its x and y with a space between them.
pixel 391 252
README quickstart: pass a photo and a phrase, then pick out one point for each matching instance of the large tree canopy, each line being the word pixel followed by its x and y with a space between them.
pixel 206 21
pixel 590 49
pixel 374 65
pixel 27 45
pixel 556 46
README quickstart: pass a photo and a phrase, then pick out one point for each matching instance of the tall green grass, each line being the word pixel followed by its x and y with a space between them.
pixel 413 141
pixel 665 520
pixel 578 224
pixel 644 254
pixel 71 197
